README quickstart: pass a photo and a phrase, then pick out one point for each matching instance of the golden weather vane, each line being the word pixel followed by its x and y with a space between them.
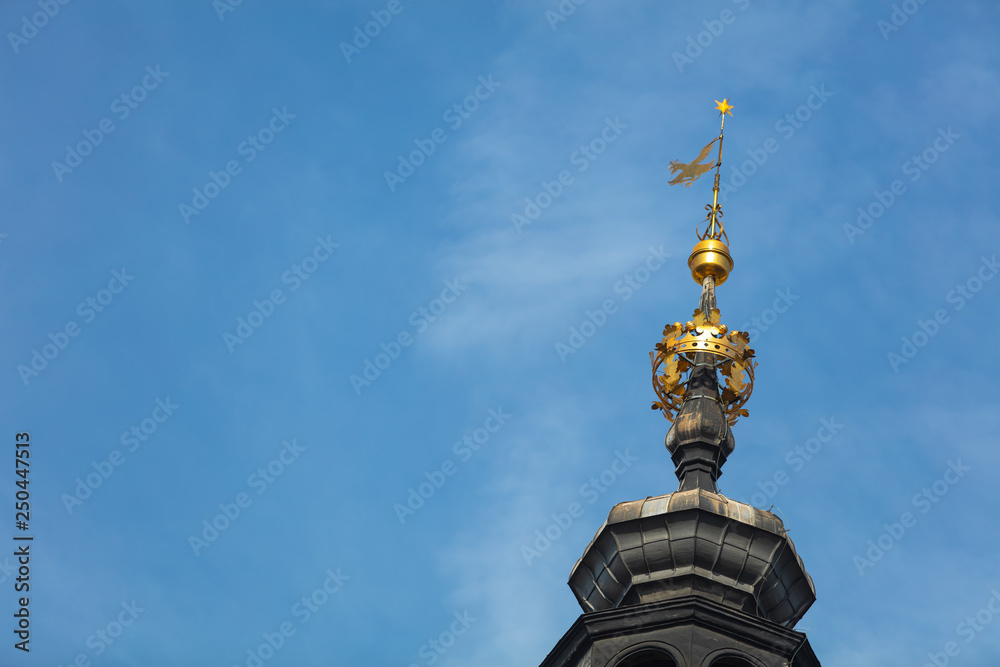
pixel 692 171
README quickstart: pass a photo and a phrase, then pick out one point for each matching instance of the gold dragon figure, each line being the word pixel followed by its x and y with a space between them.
pixel 691 171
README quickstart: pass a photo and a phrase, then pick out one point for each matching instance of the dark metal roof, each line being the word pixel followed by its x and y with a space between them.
pixel 694 543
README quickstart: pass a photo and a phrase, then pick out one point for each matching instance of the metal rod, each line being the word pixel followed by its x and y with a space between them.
pixel 713 223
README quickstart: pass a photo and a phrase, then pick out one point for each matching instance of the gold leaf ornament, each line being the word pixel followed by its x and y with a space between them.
pixel 700 320
pixel 734 376
pixel 671 376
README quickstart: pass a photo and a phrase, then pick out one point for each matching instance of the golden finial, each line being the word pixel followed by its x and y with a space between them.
pixel 710 265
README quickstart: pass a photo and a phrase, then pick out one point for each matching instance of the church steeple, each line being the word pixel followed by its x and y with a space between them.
pixel 692 578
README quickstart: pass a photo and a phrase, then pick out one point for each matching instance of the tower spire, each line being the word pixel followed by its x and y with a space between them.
pixel 693 577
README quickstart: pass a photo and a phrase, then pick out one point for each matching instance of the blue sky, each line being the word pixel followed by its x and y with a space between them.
pixel 221 197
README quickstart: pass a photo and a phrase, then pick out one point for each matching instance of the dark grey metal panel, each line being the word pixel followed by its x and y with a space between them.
pixel 694 542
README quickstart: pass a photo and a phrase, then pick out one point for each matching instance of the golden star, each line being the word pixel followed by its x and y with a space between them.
pixel 724 106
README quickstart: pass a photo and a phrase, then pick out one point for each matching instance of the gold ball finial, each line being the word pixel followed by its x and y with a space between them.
pixel 710 257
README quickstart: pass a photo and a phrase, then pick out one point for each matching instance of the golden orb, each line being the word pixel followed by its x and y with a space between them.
pixel 710 258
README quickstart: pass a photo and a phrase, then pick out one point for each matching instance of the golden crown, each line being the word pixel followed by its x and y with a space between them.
pixel 674 356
